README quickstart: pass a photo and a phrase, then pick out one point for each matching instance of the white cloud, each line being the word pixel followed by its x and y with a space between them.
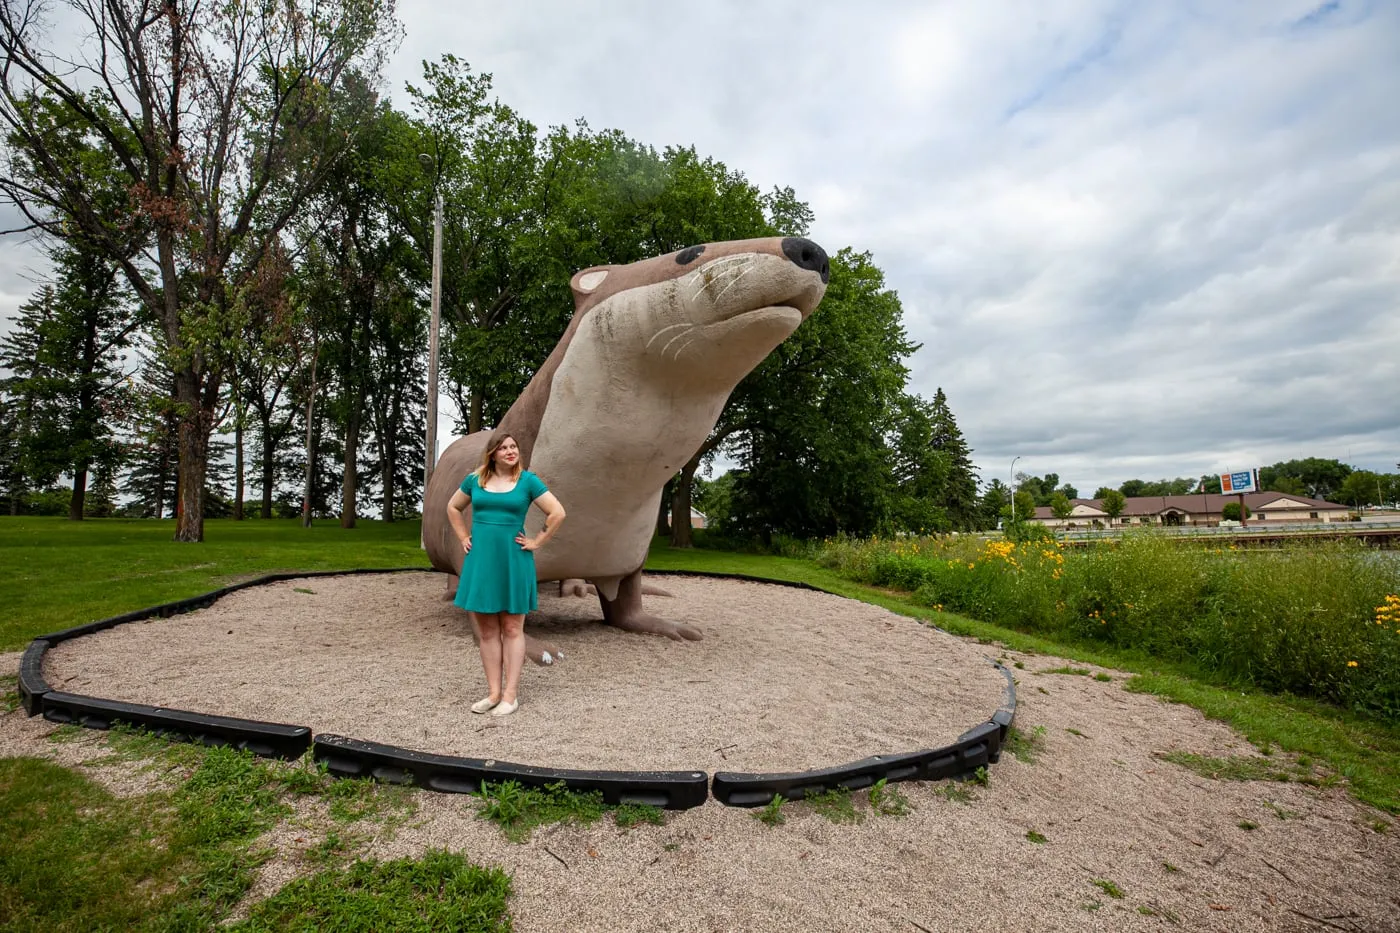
pixel 1135 239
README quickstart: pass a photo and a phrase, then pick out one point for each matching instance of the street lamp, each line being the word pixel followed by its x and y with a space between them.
pixel 430 444
pixel 1013 488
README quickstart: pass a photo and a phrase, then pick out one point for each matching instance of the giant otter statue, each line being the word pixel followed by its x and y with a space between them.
pixel 628 395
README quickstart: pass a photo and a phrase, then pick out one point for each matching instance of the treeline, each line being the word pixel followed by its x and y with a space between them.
pixel 237 318
pixel 1314 477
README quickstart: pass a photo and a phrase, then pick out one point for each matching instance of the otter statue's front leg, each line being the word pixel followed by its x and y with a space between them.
pixel 626 613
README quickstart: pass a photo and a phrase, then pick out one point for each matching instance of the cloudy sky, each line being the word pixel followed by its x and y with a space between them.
pixel 1134 239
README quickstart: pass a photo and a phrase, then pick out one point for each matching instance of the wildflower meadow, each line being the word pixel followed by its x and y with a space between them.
pixel 1321 620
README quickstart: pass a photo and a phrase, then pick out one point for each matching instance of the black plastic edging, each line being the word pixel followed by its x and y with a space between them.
pixel 970 752
pixel 975 748
pixel 32 685
pixel 265 739
pixel 355 758
pixel 346 757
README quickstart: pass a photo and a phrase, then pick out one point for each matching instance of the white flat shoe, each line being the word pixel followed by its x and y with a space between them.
pixel 505 709
pixel 482 706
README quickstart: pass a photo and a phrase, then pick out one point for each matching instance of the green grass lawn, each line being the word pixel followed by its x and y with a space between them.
pixel 180 859
pixel 55 574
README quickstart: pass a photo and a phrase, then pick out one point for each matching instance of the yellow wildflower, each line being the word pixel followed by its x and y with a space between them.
pixel 1351 664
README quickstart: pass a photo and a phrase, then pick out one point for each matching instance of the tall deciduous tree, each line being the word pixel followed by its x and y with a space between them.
pixel 213 123
pixel 812 419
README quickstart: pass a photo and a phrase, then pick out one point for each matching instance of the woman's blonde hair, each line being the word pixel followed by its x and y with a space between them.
pixel 488 464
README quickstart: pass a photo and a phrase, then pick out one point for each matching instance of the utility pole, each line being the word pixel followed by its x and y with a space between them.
pixel 1013 488
pixel 430 442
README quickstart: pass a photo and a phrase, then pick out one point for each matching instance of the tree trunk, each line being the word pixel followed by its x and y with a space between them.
pixel 680 498
pixel 389 457
pixel 194 454
pixel 265 421
pixel 238 464
pixel 663 509
pixel 478 404
pixel 680 503
pixel 310 444
pixel 75 505
pixel 348 475
pixel 87 403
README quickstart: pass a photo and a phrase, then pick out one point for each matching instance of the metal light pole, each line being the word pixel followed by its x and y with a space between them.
pixel 430 445
pixel 1013 488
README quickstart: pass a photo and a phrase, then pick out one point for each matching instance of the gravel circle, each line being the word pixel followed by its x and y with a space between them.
pixel 785 679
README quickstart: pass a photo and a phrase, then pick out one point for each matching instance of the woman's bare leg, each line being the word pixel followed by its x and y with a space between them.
pixel 488 637
pixel 513 649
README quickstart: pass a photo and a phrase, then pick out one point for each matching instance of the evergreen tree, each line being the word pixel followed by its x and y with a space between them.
pixel 959 494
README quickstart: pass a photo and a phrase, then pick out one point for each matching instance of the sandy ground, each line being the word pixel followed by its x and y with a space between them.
pixel 785 679
pixel 1109 809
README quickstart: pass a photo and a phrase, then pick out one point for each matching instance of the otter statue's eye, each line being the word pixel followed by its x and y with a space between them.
pixel 688 255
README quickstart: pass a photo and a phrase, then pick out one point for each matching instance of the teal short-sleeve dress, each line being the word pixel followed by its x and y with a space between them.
pixel 498 575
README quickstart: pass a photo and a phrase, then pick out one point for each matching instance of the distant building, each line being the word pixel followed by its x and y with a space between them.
pixel 1267 508
pixel 697 518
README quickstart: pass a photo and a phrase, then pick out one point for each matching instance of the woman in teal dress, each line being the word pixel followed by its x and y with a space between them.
pixel 497 585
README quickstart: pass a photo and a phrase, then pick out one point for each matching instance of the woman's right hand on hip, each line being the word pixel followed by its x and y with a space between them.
pixel 467 544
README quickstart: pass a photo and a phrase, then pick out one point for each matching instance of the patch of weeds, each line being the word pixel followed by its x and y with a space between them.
pixel 440 891
pixel 980 777
pixel 75 857
pixel 1247 825
pixel 837 806
pixel 1103 678
pixel 1042 689
pixel 1109 888
pixel 1146 911
pixel 631 814
pixel 1265 748
pixel 1076 671
pixel 334 848
pixel 772 813
pixel 1239 768
pixel 9 693
pixel 1019 666
pixel 1092 905
pixel 302 589
pixel 888 801
pixel 1025 746
pixel 353 799
pixel 956 792
pixel 304 776
pixel 1381 826
pixel 519 810
pixel 68 732
pixel 671 846
pixel 131 743
pixel 1170 868
pixel 1038 838
pixel 1280 812
pixel 1072 731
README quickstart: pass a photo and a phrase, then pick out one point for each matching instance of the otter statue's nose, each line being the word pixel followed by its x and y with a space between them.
pixel 807 255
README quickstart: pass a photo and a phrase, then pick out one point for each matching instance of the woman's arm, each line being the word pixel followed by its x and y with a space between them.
pixel 459 502
pixel 553 517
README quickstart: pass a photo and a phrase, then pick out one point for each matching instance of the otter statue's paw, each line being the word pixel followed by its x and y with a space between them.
pixel 650 590
pixel 651 625
pixel 576 588
pixel 543 653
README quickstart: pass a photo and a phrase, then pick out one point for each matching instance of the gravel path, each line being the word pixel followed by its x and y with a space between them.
pixel 790 679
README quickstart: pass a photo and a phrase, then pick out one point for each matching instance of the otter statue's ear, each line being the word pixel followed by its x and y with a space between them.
pixel 586 282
